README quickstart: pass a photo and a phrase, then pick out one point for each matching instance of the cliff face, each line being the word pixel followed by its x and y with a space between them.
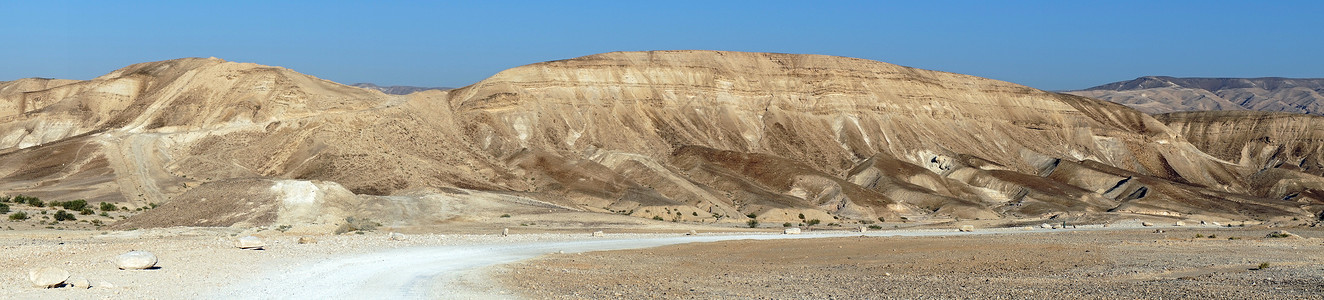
pixel 1162 94
pixel 680 135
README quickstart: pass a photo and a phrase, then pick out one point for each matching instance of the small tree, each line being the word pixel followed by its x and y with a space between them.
pixel 107 207
pixel 813 222
pixel 4 208
pixel 87 212
pixel 753 223
pixel 76 205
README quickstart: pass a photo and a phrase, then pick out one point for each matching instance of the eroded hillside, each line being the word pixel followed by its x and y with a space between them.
pixel 701 136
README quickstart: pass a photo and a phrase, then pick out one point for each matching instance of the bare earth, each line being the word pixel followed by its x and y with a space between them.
pixel 1060 265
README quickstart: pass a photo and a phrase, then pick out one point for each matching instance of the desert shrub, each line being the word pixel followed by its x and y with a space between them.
pixel 880 219
pixel 4 208
pixel 752 215
pixel 64 216
pixel 4 199
pixel 104 214
pixel 1213 236
pixel 696 214
pixel 813 222
pixel 752 223
pixel 1197 235
pixel 108 207
pixel 32 201
pixel 875 227
pixel 505 215
pixel 1279 235
pixel 76 205
pixel 866 222
pixel 18 216
pixel 1262 266
pixel 152 205
pixel 802 216
pixel 786 224
pixel 659 218
pixel 86 212
pixel 357 225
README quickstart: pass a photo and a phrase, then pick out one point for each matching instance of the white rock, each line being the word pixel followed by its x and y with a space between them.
pixel 792 230
pixel 1045 226
pixel 864 229
pixel 967 228
pixel 692 232
pixel 1146 224
pixel 80 282
pixel 505 231
pixel 136 260
pixel 396 236
pixel 1027 228
pixel 598 233
pixel 307 240
pixel 249 242
pixel 47 277
pixel 1215 224
pixel 1179 223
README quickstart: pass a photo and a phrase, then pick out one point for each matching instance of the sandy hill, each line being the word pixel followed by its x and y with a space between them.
pixel 397 89
pixel 702 136
pixel 1162 94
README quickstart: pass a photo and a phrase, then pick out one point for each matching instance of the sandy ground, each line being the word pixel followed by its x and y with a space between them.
pixel 1112 264
pixel 201 263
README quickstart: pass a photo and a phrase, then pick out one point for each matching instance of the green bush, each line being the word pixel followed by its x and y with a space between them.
pixel 4 208
pixel 752 215
pixel 107 207
pixel 813 222
pixel 4 199
pixel 659 218
pixel 18 216
pixel 802 216
pixel 86 212
pixel 76 205
pixel 64 216
pixel 32 201
pixel 505 215
pixel 786 224
pixel 752 223
pixel 875 227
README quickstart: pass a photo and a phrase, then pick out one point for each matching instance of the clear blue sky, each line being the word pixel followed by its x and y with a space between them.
pixel 1050 45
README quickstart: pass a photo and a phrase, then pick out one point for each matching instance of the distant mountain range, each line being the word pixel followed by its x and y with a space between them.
pixel 397 89
pixel 1162 94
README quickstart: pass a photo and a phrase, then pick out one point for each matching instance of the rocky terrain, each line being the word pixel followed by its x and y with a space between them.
pixel 1162 94
pixel 1131 264
pixel 684 136
pixel 397 89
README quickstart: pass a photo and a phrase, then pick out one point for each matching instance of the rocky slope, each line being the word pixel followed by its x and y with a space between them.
pixel 701 136
pixel 1162 94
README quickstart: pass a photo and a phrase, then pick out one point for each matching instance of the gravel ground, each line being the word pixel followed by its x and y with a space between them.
pixel 1137 264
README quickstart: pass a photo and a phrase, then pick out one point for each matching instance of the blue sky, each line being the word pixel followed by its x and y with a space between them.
pixel 1052 45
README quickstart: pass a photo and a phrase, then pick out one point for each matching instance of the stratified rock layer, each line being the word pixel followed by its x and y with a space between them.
pixel 701 136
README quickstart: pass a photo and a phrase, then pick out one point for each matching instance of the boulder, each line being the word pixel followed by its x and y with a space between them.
pixel 307 240
pixel 396 236
pixel 1045 226
pixel 249 242
pixel 1179 224
pixel 967 228
pixel 692 232
pixel 505 231
pixel 48 277
pixel 79 282
pixel 1146 224
pixel 792 230
pixel 864 229
pixel 598 233
pixel 136 260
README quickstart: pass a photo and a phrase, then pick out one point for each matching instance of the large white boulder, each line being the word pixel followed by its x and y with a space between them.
pixel 250 242
pixel 967 228
pixel 792 230
pixel 136 260
pixel 48 277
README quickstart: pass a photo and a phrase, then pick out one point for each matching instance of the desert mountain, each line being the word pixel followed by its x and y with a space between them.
pixel 397 89
pixel 701 136
pixel 1162 94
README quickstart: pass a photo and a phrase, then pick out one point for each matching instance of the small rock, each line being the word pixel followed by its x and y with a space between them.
pixel 48 277
pixel 505 231
pixel 249 242
pixel 598 233
pixel 967 228
pixel 135 260
pixel 79 282
pixel 307 240
pixel 792 230
pixel 105 285
pixel 1045 226
pixel 692 232
pixel 396 236
pixel 1027 228
pixel 1056 226
pixel 1214 223
pixel 886 274
pixel 1146 224
pixel 1179 223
